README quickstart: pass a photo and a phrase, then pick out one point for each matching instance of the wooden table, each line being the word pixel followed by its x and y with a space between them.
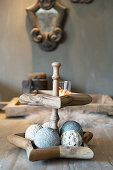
pixel 12 158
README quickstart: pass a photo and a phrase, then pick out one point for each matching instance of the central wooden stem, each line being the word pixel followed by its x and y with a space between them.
pixel 55 77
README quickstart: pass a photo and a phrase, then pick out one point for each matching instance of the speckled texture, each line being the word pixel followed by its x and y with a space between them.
pixel 47 125
pixel 31 131
pixel 46 137
pixel 71 125
pixel 71 138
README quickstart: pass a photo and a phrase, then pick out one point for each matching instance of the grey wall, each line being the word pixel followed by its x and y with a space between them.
pixel 86 53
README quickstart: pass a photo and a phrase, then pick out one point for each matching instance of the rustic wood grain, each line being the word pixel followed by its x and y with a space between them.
pixel 40 100
pixel 100 103
pixel 4 103
pixel 56 76
pixel 55 101
pixel 13 102
pixel 87 137
pixel 79 152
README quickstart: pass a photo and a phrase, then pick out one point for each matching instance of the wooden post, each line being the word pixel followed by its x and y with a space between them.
pixel 55 77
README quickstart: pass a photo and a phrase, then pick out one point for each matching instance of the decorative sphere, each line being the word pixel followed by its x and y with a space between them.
pixel 31 131
pixel 71 138
pixel 47 125
pixel 71 125
pixel 47 137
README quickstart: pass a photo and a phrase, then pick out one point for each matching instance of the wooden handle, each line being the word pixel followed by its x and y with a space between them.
pixel 44 154
pixel 61 152
pixel 19 141
pixel 4 103
pixel 87 137
pixel 55 77
pixel 78 152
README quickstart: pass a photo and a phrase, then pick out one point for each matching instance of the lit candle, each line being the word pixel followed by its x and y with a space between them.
pixel 64 88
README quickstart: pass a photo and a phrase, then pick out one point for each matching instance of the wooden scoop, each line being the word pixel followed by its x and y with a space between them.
pixel 80 152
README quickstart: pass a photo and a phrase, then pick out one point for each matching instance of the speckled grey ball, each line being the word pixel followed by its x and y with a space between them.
pixel 47 137
pixel 71 125
pixel 31 131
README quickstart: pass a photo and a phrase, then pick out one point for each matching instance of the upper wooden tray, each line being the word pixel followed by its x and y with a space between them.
pixel 100 103
pixel 55 102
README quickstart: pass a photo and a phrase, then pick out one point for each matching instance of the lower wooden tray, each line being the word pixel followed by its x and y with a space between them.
pixel 34 154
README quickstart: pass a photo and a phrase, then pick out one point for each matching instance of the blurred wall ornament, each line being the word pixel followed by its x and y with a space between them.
pixel 81 1
pixel 46 18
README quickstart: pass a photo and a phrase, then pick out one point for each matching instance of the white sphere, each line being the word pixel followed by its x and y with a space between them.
pixel 71 138
pixel 31 131
pixel 47 125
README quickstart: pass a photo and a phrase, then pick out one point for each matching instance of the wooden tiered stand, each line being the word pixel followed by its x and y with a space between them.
pixel 55 102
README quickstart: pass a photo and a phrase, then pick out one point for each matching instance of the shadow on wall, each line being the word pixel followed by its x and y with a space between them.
pixel 7 92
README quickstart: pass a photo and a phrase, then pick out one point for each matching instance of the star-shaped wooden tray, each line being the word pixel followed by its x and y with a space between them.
pixel 36 154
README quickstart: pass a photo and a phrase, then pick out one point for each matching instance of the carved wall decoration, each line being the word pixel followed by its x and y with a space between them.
pixel 81 1
pixel 46 18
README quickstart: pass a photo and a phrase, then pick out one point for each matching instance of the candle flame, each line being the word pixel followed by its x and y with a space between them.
pixel 64 92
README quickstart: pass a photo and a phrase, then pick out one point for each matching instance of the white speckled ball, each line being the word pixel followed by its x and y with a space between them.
pixel 47 137
pixel 31 131
pixel 71 138
pixel 47 125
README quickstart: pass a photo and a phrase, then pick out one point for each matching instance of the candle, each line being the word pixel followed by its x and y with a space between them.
pixel 64 88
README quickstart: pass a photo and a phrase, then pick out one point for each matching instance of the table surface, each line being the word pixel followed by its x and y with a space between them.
pixel 13 158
